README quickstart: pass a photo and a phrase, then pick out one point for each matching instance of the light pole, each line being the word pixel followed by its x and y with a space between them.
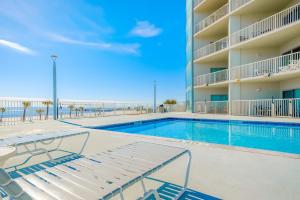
pixel 54 57
pixel 154 102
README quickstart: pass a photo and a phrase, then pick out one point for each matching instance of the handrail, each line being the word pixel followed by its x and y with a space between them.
pixel 14 110
pixel 211 19
pixel 212 48
pixel 276 21
pixel 267 107
pixel 197 2
pixel 268 67
pixel 213 107
pixel 235 4
pixel 211 78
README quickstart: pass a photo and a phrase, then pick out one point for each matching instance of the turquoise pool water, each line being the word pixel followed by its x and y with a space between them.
pixel 267 136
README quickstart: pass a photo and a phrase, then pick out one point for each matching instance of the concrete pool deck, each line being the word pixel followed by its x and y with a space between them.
pixel 227 173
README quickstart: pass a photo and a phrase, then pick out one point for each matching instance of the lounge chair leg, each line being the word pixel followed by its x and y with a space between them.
pixel 188 169
pixel 156 195
pixel 122 195
pixel 150 193
pixel 143 185
pixel 187 175
pixel 84 144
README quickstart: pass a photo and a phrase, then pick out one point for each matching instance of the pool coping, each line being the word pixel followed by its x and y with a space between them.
pixel 297 124
pixel 103 128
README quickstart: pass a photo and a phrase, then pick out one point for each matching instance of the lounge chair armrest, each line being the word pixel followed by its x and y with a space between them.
pixel 6 152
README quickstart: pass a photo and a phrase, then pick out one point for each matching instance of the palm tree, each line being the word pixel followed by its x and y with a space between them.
pixel 40 112
pixel 71 107
pixel 26 105
pixel 170 102
pixel 81 109
pixel 2 110
pixel 76 112
pixel 47 104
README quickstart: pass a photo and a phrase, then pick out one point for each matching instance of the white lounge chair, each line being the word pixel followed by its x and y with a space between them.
pixel 74 176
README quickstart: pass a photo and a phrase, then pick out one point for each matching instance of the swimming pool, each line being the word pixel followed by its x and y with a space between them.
pixel 259 135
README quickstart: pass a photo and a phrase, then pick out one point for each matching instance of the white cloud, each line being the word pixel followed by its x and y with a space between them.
pixel 17 47
pixel 116 47
pixel 145 29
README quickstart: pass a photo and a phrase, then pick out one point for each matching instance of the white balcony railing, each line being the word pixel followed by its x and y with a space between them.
pixel 269 24
pixel 266 108
pixel 221 12
pixel 211 78
pixel 197 2
pixel 212 48
pixel 235 4
pixel 212 107
pixel 268 67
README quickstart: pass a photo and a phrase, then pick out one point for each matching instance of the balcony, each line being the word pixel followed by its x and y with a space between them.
pixel 208 5
pixel 235 4
pixel 212 107
pixel 211 78
pixel 277 67
pixel 266 108
pixel 211 19
pixel 197 2
pixel 212 48
pixel 270 24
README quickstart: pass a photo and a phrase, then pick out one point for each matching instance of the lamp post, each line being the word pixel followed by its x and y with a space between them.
pixel 154 102
pixel 54 57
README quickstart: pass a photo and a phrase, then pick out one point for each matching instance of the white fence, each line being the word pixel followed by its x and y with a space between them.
pixel 212 48
pixel 15 110
pixel 24 110
pixel 264 26
pixel 211 78
pixel 215 16
pixel 267 108
pixel 76 109
pixel 179 107
pixel 212 107
pixel 235 4
pixel 290 62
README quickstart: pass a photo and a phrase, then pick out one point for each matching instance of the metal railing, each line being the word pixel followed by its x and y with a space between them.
pixel 212 107
pixel 268 67
pixel 267 108
pixel 235 4
pixel 197 2
pixel 215 16
pixel 178 107
pixel 77 109
pixel 211 78
pixel 267 25
pixel 14 110
pixel 212 48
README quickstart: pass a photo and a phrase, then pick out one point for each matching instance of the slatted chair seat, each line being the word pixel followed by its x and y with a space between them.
pixel 99 176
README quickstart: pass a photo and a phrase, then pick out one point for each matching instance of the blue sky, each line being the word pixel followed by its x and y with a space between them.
pixel 108 49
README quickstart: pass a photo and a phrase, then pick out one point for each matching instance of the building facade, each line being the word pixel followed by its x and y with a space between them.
pixel 243 57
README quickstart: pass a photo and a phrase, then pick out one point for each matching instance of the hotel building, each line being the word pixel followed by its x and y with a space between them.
pixel 243 57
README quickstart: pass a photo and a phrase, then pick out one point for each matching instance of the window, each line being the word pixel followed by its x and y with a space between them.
pixel 291 94
pixel 215 69
pixel 218 97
